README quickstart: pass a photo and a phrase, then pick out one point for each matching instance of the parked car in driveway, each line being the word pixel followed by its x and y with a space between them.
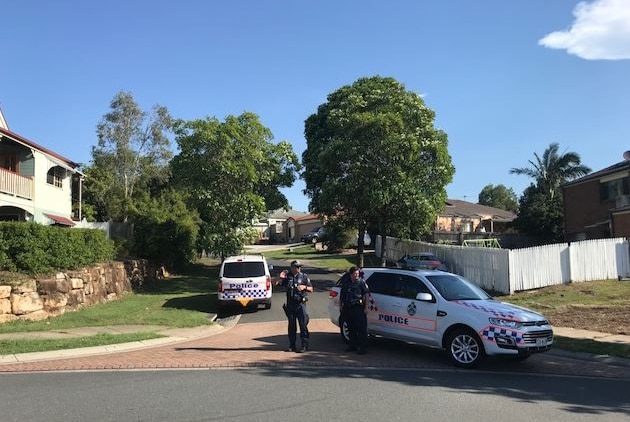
pixel 313 236
pixel 422 260
pixel 443 310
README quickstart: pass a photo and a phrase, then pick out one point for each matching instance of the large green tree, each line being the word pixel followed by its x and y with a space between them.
pixel 498 196
pixel 232 172
pixel 540 207
pixel 374 157
pixel 132 153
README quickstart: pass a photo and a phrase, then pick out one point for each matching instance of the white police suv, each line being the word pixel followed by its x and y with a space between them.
pixel 245 280
pixel 443 310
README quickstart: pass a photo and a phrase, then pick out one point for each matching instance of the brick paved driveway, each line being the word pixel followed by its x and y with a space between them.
pixel 263 344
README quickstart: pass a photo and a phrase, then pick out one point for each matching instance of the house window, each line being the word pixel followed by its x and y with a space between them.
pixel 55 176
pixel 9 162
pixel 613 189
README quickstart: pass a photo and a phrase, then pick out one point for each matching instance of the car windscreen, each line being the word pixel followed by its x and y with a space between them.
pixel 453 287
pixel 243 269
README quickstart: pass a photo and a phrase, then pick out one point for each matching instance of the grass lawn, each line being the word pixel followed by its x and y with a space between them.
pixel 179 301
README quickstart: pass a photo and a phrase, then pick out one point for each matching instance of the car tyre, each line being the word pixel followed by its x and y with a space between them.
pixel 465 348
pixel 268 304
pixel 344 330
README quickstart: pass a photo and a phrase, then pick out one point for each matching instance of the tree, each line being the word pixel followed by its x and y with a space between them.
pixel 374 156
pixel 499 196
pixel 552 170
pixel 232 173
pixel 541 211
pixel 132 152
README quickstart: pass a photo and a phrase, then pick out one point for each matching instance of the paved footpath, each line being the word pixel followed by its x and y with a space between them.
pixel 263 344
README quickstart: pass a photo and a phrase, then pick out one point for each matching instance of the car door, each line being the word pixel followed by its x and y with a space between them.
pixel 381 303
pixel 418 321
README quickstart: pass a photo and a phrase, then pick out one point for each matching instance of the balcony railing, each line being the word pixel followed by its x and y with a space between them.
pixel 16 185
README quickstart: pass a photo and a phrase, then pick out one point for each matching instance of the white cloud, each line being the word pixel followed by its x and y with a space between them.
pixel 601 30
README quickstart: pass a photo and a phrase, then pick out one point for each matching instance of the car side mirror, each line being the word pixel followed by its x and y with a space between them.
pixel 424 297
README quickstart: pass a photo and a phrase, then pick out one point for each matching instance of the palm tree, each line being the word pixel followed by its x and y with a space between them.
pixel 553 169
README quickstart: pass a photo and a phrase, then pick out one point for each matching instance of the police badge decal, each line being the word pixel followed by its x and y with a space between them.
pixel 411 309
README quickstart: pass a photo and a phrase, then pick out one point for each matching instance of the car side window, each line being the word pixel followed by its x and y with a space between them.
pixel 408 287
pixel 382 283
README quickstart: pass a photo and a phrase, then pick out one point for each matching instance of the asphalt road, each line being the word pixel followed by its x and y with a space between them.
pixel 310 395
pixel 317 304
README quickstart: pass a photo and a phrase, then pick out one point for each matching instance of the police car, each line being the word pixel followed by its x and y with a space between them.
pixel 443 310
pixel 245 280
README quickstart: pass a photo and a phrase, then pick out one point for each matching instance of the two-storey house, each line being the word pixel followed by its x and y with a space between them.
pixel 35 183
pixel 598 204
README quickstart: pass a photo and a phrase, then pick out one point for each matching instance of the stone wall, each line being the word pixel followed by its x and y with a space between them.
pixel 42 297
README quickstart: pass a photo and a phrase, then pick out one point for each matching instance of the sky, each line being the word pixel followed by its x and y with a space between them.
pixel 505 78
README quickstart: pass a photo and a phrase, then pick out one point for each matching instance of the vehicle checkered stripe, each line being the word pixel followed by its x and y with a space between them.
pixel 254 293
pixel 507 315
pixel 491 332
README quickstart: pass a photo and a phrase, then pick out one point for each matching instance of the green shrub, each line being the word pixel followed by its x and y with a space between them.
pixel 170 242
pixel 33 248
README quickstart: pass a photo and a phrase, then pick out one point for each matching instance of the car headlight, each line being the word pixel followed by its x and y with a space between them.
pixel 505 323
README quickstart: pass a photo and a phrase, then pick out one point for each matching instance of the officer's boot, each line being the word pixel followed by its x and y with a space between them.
pixel 304 347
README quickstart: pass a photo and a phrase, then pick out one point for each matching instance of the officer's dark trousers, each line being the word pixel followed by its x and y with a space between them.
pixel 297 315
pixel 357 325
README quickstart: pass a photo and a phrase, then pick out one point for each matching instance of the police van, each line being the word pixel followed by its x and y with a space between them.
pixel 443 310
pixel 244 280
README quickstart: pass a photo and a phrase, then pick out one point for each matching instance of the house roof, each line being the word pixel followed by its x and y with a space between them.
pixel 615 168
pixel 284 214
pixel 306 217
pixel 22 140
pixel 458 208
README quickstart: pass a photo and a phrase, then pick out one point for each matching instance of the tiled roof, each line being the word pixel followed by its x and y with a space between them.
pixel 458 208
pixel 619 167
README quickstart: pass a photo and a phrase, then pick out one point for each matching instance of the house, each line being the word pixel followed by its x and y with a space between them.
pixel 466 217
pixel 296 227
pixel 271 227
pixel 36 184
pixel 598 205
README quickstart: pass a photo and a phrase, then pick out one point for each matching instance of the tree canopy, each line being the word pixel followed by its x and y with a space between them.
pixel 499 196
pixel 132 152
pixel 232 173
pixel 540 207
pixel 374 156
pixel 553 169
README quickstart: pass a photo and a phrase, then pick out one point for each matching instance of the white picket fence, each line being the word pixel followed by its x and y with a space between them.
pixel 507 271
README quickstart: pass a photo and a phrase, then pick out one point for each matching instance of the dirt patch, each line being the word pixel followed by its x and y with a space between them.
pixel 614 320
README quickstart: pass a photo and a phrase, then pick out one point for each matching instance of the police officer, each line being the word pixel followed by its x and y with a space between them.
pixel 353 301
pixel 298 286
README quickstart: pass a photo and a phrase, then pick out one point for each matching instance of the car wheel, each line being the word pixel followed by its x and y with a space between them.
pixel 465 348
pixel 344 330
pixel 268 304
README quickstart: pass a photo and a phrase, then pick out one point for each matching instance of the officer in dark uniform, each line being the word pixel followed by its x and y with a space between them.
pixel 298 286
pixel 353 302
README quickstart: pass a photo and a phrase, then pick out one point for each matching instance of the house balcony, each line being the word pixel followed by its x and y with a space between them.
pixel 16 185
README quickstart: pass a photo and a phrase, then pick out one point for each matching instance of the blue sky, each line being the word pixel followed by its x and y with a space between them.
pixel 505 78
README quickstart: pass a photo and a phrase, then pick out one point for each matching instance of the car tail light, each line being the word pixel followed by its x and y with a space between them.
pixel 332 294
pixel 220 285
pixel 268 283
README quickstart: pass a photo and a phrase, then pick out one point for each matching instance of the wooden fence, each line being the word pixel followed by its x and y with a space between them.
pixel 507 271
